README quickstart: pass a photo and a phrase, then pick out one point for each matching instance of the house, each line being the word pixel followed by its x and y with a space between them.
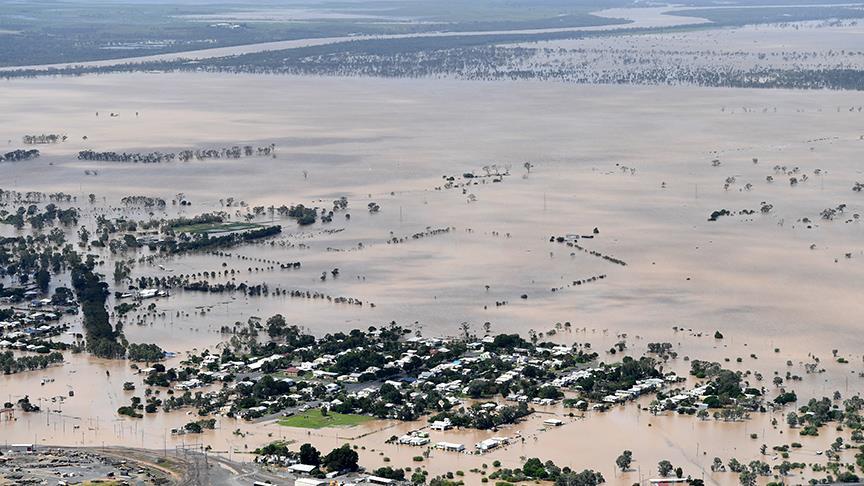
pixel 256 365
pixel 414 440
pixel 22 448
pixel 486 445
pixel 189 384
pixel 151 293
pixel 450 446
pixel 324 374
pixel 441 425
pixel 302 468
pixel 379 480
pixel 553 422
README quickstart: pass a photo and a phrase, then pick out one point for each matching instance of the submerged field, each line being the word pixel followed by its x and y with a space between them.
pixel 316 420
pixel 392 141
pixel 645 166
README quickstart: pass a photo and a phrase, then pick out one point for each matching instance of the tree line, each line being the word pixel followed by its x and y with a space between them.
pixel 92 293
pixel 19 155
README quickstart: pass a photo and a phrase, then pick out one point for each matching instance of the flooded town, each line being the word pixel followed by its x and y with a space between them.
pixel 431 243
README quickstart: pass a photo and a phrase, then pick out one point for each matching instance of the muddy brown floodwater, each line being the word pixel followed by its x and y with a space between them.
pixel 755 277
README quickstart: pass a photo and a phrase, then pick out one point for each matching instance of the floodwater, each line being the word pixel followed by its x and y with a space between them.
pixel 753 277
pixel 637 17
pixel 789 38
pixel 789 46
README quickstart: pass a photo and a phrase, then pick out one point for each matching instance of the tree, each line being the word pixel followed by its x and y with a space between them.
pixel 534 468
pixel 276 326
pixel 664 467
pixel 786 397
pixel 309 455
pixel 847 477
pixel 747 478
pixel 736 466
pixel 728 384
pixel 792 419
pixel 418 477
pixel 341 459
pixel 145 352
pixel 390 473
pixel 624 460
pixel 465 328
pixel 43 279
pixel 585 478
pixel 83 236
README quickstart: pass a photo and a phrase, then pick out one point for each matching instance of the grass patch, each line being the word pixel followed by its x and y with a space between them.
pixel 313 419
pixel 216 228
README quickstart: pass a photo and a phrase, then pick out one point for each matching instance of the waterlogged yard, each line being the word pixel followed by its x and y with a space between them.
pixel 316 419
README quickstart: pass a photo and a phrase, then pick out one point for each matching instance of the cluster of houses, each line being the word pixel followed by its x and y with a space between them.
pixel 30 295
pixel 23 346
pixel 29 319
pixel 414 438
pixel 29 325
pixel 450 378
pixel 695 394
pixel 641 387
pixel 418 438
pixel 515 397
